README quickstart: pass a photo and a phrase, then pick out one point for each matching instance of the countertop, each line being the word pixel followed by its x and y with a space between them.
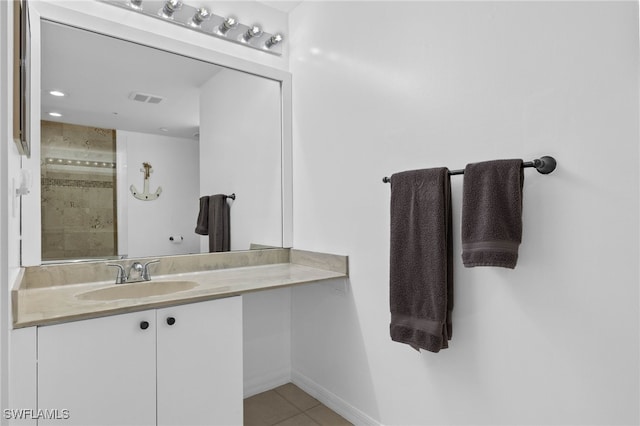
pixel 59 303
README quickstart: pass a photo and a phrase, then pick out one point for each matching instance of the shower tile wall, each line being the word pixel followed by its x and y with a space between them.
pixel 78 201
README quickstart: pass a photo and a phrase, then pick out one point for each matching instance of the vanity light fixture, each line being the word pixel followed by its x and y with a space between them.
pixel 56 93
pixel 201 19
pixel 170 6
pixel 200 16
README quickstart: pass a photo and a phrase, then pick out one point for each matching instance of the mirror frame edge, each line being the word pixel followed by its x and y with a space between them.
pixel 31 254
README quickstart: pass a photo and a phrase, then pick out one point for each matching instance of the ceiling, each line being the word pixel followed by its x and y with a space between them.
pixel 98 74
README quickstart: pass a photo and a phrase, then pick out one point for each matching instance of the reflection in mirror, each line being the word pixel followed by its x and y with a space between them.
pixel 132 137
pixel 78 182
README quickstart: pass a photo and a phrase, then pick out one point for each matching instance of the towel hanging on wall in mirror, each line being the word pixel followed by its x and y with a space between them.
pixel 145 195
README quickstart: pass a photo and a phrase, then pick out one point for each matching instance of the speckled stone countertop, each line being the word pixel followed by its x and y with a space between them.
pixel 54 294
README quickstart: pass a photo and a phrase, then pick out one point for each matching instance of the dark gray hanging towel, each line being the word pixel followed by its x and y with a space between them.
pixel 214 220
pixel 202 225
pixel 219 224
pixel 492 213
pixel 421 260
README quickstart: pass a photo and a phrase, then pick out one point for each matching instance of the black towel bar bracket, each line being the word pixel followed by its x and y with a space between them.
pixel 544 165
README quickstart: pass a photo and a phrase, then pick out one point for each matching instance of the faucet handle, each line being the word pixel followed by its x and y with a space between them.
pixel 145 271
pixel 121 278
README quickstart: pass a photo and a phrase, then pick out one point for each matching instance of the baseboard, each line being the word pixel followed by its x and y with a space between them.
pixel 332 401
pixel 265 382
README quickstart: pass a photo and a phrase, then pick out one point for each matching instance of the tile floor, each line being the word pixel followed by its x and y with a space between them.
pixel 288 405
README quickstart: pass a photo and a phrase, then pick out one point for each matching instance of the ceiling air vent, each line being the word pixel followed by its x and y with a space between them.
pixel 145 97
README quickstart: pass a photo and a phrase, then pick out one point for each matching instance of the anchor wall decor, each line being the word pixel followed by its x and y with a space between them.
pixel 145 195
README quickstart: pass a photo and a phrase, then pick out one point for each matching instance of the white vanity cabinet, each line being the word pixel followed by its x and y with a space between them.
pixel 199 360
pixel 180 365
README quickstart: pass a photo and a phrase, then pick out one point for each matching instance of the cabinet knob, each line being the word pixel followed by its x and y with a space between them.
pixel 144 325
pixel 171 320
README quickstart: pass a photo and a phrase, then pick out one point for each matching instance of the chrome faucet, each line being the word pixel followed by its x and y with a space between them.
pixel 121 278
pixel 139 271
pixel 145 270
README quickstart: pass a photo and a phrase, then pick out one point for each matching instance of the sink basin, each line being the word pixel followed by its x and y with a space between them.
pixel 137 290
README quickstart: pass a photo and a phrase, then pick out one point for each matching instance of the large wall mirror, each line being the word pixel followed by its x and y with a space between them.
pixel 131 136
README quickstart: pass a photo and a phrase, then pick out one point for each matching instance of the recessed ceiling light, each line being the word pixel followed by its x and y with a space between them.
pixel 57 93
pixel 55 114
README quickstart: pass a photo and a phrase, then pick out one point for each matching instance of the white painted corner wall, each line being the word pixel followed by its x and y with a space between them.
pixel 555 341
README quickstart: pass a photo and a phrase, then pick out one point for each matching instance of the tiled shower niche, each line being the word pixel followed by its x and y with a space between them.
pixel 78 183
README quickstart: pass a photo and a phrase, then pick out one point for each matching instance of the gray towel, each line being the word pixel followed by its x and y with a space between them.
pixel 214 220
pixel 219 224
pixel 202 225
pixel 492 213
pixel 421 267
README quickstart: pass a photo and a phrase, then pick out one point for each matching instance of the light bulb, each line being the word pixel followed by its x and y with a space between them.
pixel 200 16
pixel 253 31
pixel 228 24
pixel 170 6
pixel 273 40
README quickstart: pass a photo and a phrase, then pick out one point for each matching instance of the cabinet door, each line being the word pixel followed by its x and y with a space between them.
pixel 200 363
pixel 101 370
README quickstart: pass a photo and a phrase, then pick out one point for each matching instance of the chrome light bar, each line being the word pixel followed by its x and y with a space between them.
pixel 204 21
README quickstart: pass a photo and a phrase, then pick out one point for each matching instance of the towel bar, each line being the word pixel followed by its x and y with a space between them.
pixel 544 165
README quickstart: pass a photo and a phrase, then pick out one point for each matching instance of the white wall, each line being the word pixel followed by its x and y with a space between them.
pixel 10 164
pixel 149 224
pixel 266 328
pixel 4 199
pixel 394 86
pixel 240 152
